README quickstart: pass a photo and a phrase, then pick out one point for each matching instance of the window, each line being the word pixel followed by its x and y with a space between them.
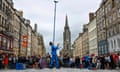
pixel 0 21
pixel 114 44
pixel 107 22
pixel 114 16
pixel 115 30
pixel 109 7
pixel 3 7
pixel 113 3
pixel 117 1
pixel 0 41
pixel 118 12
pixel 8 44
pixel 0 4
pixel 111 44
pixel 119 28
pixel 4 43
pixel 118 40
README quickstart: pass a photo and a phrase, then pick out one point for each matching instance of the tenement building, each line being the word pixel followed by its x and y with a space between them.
pixel 112 17
pixel 77 46
pixel 101 30
pixel 108 26
pixel 85 40
pixel 6 26
pixel 16 33
pixel 92 35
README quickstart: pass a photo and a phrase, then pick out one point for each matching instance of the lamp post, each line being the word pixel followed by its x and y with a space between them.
pixel 55 1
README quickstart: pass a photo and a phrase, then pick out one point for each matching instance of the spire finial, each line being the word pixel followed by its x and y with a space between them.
pixel 66 21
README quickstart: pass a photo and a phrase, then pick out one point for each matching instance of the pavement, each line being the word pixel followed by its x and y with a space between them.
pixel 59 70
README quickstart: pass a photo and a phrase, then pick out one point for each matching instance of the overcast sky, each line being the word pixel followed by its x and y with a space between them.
pixel 42 13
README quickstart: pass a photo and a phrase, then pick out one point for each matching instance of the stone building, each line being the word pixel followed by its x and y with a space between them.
pixel 85 42
pixel 17 22
pixel 77 46
pixel 41 48
pixel 112 18
pixel 92 35
pixel 108 27
pixel 101 30
pixel 29 37
pixel 34 40
pixel 6 26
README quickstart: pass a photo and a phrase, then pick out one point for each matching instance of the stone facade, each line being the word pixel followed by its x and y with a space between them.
pixel 92 36
pixel 77 46
pixel 42 50
pixel 112 13
pixel 85 42
pixel 101 30
pixel 6 26
pixel 16 34
pixel 107 18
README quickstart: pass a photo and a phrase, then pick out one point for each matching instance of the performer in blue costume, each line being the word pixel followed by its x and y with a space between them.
pixel 54 55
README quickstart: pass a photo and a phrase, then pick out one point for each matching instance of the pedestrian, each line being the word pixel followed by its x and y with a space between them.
pixel 10 60
pixel 87 61
pixel 1 61
pixel 6 61
pixel 98 66
pixel 48 60
pixel 77 62
pixel 54 55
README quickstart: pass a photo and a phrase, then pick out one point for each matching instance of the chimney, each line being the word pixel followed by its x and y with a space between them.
pixel 10 2
pixel 35 28
pixel 20 13
pixel 85 27
pixel 91 16
pixel 27 21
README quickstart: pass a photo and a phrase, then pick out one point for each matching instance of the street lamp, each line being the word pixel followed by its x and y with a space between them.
pixel 55 1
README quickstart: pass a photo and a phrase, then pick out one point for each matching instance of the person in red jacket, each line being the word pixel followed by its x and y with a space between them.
pixel 6 61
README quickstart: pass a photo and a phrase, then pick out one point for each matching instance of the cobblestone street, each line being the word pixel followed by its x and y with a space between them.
pixel 59 70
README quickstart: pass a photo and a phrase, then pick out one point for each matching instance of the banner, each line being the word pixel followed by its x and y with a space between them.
pixel 25 43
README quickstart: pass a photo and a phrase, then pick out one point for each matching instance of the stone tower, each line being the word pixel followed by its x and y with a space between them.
pixel 67 39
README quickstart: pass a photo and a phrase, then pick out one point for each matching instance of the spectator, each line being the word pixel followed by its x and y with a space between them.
pixel 6 61
pixel 77 62
pixel 1 61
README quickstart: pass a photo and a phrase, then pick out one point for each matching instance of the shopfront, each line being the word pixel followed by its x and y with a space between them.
pixel 6 44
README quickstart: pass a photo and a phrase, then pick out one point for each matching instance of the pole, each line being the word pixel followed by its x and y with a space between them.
pixel 54 20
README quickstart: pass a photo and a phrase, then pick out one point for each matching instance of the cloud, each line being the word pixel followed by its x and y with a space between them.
pixel 42 11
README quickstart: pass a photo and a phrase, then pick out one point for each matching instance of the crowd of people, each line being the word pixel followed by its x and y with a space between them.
pixel 111 61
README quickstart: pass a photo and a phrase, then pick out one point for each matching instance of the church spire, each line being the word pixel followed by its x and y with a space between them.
pixel 66 21
pixel 67 39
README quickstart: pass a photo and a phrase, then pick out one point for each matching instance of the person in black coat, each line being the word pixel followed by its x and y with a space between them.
pixel 1 61
pixel 102 60
pixel 77 62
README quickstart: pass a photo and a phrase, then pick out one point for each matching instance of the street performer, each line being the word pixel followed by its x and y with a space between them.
pixel 54 55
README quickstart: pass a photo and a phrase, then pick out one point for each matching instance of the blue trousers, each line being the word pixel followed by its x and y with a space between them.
pixel 56 60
